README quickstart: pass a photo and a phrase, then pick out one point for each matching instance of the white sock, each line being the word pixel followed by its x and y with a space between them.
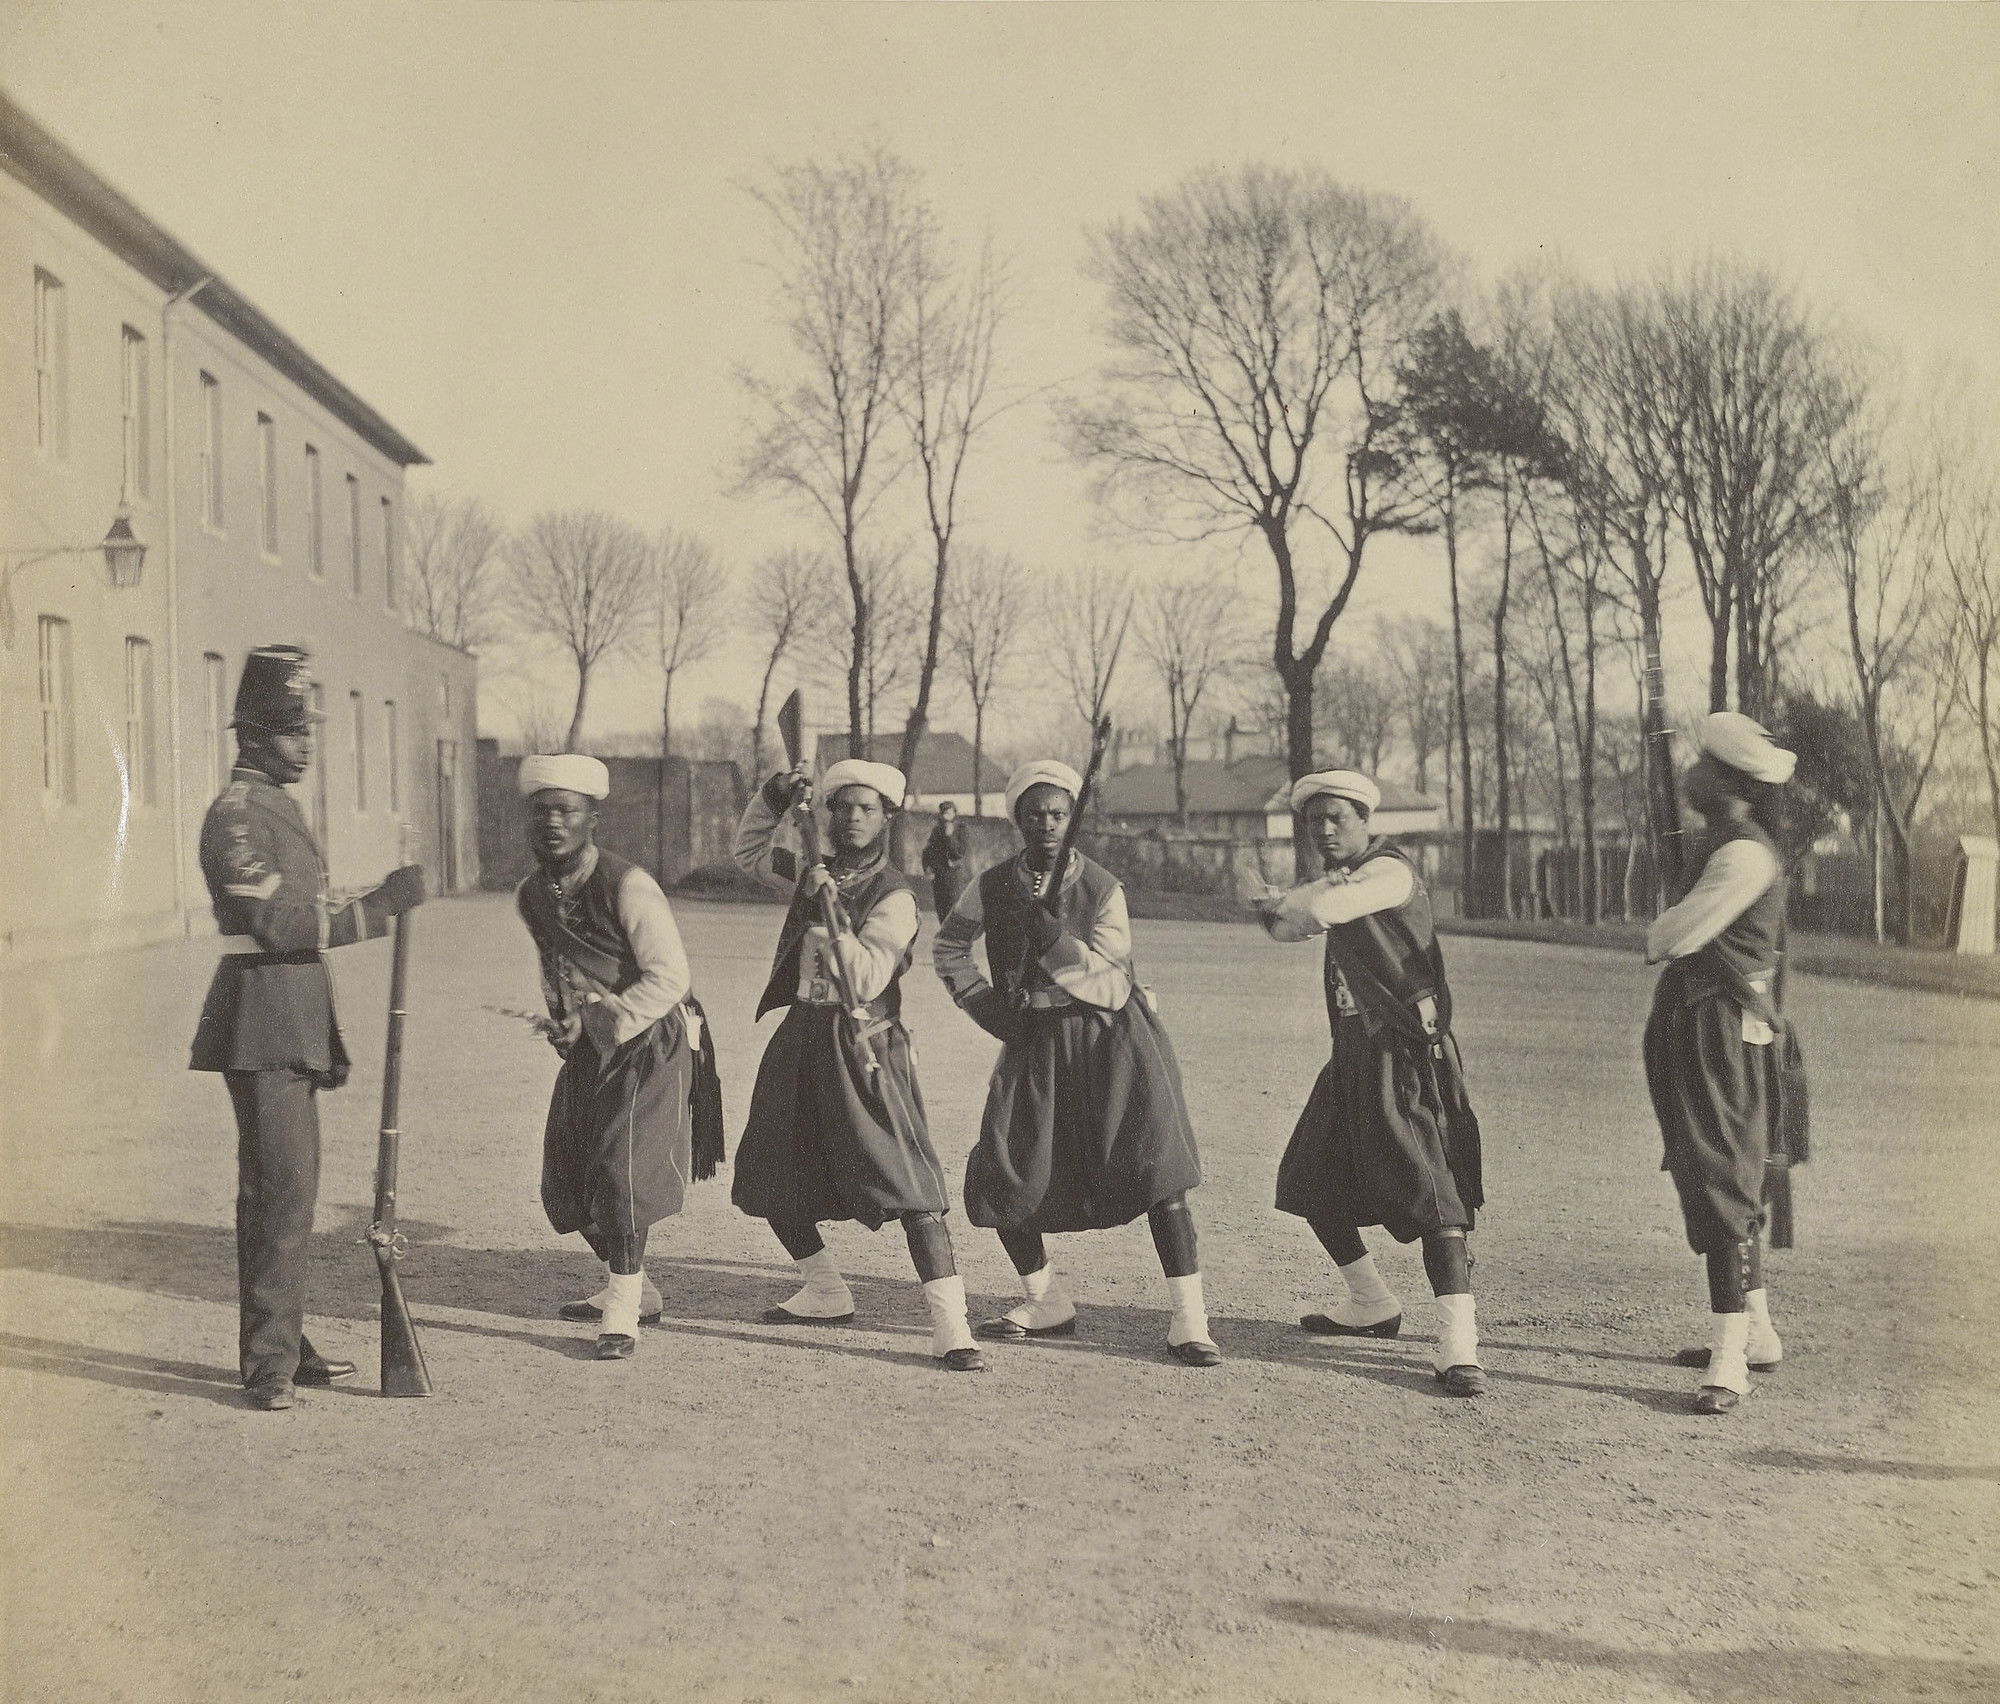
pixel 596 1298
pixel 1728 1364
pixel 621 1305
pixel 1048 1302
pixel 1190 1321
pixel 1369 1300
pixel 1458 1333
pixel 945 1297
pixel 1765 1347
pixel 826 1295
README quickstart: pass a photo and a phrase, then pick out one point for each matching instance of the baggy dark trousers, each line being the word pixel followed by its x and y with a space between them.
pixel 277 1185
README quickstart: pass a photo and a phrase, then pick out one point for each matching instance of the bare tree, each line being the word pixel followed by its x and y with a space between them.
pixel 451 549
pixel 1416 653
pixel 1257 319
pixel 1086 612
pixel 579 580
pixel 946 400
pixel 1966 532
pixel 1356 703
pixel 1189 632
pixel 690 613
pixel 991 606
pixel 1746 375
pixel 789 610
pixel 849 235
pixel 722 734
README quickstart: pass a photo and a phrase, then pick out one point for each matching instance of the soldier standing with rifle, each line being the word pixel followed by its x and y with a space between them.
pixel 1085 1124
pixel 268 1023
pixel 1721 1062
pixel 836 1127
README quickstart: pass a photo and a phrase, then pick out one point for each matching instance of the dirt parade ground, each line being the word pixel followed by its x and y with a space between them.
pixel 749 1512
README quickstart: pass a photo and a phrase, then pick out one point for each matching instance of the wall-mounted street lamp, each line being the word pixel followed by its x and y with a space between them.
pixel 124 561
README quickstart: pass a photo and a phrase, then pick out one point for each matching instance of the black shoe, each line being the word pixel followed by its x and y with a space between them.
pixel 1716 1399
pixel 589 1313
pixel 1467 1380
pixel 1327 1326
pixel 271 1394
pixel 784 1316
pixel 1196 1353
pixel 1699 1358
pixel 962 1361
pixel 616 1346
pixel 316 1369
pixel 1005 1330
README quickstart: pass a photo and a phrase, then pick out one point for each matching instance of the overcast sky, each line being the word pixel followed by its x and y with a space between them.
pixel 519 230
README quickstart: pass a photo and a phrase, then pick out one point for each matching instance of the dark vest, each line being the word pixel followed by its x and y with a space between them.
pixel 582 926
pixel 1748 947
pixel 1389 959
pixel 860 901
pixel 1004 888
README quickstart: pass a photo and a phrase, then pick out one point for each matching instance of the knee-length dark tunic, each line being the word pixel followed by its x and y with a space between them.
pixel 836 1127
pixel 1387 1136
pixel 618 1143
pixel 1715 1050
pixel 1086 1124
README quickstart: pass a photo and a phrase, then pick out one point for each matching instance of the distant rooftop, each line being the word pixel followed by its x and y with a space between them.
pixel 943 766
pixel 1248 787
pixel 49 168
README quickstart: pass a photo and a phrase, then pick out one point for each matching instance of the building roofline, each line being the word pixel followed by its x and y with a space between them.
pixel 31 153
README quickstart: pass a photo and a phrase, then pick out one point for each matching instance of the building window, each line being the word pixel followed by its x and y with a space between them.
pixel 392 756
pixel 215 733
pixel 211 450
pixel 318 772
pixel 51 365
pixel 354 533
pixel 135 393
pixel 267 480
pixel 359 718
pixel 315 518
pixel 58 710
pixel 388 553
pixel 141 763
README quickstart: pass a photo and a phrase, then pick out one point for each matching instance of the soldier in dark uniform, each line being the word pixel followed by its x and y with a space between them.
pixel 1715 1045
pixel 944 860
pixel 268 1023
pixel 1387 1136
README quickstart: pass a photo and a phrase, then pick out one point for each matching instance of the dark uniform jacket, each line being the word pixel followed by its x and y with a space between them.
pixel 271 1008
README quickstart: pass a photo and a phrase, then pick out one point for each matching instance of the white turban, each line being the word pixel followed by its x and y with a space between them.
pixel 885 778
pixel 1336 784
pixel 1733 738
pixel 572 772
pixel 1042 772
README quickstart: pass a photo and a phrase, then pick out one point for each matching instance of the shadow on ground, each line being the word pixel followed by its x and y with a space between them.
pixel 1787 1676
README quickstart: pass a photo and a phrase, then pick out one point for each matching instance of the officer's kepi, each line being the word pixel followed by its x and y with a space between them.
pixel 275 694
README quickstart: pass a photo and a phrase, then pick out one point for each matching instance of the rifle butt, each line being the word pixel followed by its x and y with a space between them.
pixel 403 1370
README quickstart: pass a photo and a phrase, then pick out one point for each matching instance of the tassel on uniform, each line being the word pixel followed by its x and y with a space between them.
pixel 704 1096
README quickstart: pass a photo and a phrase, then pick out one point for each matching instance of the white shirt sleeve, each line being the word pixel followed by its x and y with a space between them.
pixel 873 952
pixel 1338 897
pixel 1734 879
pixel 664 978
pixel 1097 971
pixel 767 845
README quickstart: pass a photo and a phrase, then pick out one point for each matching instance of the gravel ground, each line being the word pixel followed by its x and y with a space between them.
pixel 754 1513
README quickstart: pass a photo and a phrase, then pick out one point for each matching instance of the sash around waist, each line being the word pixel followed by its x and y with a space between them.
pixel 245 947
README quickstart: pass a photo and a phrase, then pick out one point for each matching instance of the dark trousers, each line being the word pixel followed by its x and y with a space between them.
pixel 277 1183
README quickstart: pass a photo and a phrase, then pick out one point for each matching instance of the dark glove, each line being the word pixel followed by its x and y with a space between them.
pixel 402 891
pixel 780 789
pixel 990 1011
pixel 1039 927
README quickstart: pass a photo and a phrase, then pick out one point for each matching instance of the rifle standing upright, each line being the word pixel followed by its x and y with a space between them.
pixel 403 1370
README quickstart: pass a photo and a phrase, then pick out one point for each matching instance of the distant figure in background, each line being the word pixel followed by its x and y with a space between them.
pixel 268 1024
pixel 636 1111
pixel 836 1128
pixel 944 860
pixel 1387 1136
pixel 1715 1046
pixel 1086 1125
